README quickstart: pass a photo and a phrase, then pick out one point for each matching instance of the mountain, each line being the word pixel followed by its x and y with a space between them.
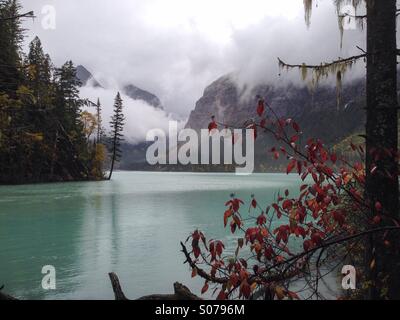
pixel 139 94
pixel 317 111
pixel 84 76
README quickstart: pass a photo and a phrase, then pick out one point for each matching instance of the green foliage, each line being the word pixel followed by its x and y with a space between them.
pixel 42 131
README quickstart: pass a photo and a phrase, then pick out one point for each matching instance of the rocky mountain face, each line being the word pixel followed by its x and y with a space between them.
pixel 85 77
pixel 139 94
pixel 317 111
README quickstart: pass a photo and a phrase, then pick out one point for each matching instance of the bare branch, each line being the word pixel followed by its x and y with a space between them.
pixel 29 14
pixel 335 241
pixel 323 65
pixel 119 294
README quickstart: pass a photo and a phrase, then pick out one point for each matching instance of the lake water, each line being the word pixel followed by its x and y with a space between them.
pixel 131 225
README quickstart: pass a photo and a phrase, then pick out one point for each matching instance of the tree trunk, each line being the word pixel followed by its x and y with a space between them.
pixel 382 184
pixel 113 157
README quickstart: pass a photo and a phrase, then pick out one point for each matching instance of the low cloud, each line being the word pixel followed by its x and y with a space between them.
pixel 140 116
pixel 176 48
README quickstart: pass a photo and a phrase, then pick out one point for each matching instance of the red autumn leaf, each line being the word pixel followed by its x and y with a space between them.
pixel 333 158
pixel 245 289
pixel 294 139
pixel 196 252
pixel 291 166
pixel 303 187
pixel 235 204
pixel 327 200
pixel 299 167
pixel 262 219
pixel 222 295
pixel 296 127
pixel 212 126
pixel 260 108
pixel 377 220
pixel 254 128
pixel 219 248
pixel 254 203
pixel 293 295
pixel 378 206
pixel 228 213
pixel 307 245
pixel 300 231
pixel 316 238
pixel 237 220
pixel 339 217
pixel 278 211
pixel 234 279
pixel 287 204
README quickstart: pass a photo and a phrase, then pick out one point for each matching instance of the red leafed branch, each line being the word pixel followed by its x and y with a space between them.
pixel 296 235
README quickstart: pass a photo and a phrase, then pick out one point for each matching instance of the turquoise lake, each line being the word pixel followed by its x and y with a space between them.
pixel 131 225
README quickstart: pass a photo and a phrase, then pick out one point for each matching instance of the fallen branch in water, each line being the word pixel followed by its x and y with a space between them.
pixel 181 292
pixel 5 297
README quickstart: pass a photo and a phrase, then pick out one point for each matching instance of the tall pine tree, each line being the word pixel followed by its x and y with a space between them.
pixel 117 127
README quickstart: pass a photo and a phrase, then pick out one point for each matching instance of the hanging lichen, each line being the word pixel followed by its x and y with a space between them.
pixel 343 18
pixel 336 68
pixel 304 71
pixel 308 11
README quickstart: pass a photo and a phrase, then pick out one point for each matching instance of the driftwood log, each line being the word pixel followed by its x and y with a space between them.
pixel 180 292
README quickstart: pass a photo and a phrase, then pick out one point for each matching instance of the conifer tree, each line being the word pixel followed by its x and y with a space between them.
pixel 11 36
pixel 39 72
pixel 99 121
pixel 42 136
pixel 117 126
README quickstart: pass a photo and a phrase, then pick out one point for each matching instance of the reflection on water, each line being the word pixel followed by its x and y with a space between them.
pixel 131 225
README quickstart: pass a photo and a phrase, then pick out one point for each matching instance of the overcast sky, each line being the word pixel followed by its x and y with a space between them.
pixel 175 48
